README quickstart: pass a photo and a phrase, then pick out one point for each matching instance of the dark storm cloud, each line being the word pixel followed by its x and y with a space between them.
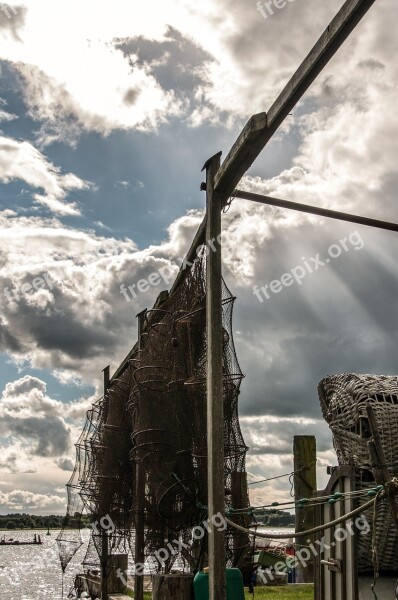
pixel 175 62
pixel 63 331
pixel 65 464
pixel 50 435
pixel 8 342
pixel 131 96
pixel 342 318
pixel 54 329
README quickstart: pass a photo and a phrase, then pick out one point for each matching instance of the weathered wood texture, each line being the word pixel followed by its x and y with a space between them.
pixel 116 584
pixel 172 587
pixel 215 408
pixel 304 451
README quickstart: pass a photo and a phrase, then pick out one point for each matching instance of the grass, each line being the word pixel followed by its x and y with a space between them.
pixel 130 593
pixel 283 592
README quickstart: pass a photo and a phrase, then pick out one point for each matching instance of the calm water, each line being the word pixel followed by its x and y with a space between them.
pixel 34 572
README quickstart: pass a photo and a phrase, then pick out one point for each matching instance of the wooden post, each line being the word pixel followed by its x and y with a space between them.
pixel 379 463
pixel 116 563
pixel 304 451
pixel 172 587
pixel 104 532
pixel 106 378
pixel 215 408
pixel 139 546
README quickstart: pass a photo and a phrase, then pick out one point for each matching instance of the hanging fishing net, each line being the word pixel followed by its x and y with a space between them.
pixel 153 416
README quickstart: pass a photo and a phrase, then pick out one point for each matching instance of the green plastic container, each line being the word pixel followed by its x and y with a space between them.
pixel 235 588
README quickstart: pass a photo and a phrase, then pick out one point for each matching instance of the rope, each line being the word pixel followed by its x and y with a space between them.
pixel 279 536
pixel 284 475
pixel 308 502
pixel 228 203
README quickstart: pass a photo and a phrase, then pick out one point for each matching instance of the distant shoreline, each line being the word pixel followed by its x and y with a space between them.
pixel 18 530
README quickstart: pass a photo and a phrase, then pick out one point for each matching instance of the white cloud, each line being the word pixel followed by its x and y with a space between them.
pixel 15 459
pixel 37 435
pixel 91 85
pixel 21 500
pixel 20 160
pixel 23 386
pixel 29 415
pixel 345 143
pixel 88 84
pixel 122 184
pixel 6 116
pixel 270 439
pixel 84 315
pixel 134 101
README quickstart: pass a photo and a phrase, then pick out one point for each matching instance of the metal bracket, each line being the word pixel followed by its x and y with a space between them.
pixel 333 564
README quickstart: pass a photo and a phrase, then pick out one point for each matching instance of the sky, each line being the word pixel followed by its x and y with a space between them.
pixel 107 114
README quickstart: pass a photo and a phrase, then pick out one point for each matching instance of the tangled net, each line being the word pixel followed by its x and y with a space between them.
pixel 154 416
pixel 343 400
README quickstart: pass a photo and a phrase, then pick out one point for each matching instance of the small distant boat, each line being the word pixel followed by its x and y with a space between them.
pixel 11 542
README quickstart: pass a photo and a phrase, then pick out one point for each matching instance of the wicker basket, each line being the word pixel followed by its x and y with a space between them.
pixel 343 400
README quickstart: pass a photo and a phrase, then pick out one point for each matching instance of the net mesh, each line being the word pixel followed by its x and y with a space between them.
pixel 343 400
pixel 154 416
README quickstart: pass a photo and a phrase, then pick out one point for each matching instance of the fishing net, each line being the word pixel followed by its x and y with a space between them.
pixel 153 417
pixel 343 400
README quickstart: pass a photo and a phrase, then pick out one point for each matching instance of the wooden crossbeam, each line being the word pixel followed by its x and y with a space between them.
pixel 316 210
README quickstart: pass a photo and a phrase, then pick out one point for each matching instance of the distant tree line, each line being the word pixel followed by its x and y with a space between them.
pixel 268 517
pixel 275 518
pixel 25 521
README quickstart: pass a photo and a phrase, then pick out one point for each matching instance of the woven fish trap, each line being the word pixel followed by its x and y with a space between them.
pixel 344 399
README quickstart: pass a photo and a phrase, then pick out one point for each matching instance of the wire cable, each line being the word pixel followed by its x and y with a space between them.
pixel 284 475
pixel 297 534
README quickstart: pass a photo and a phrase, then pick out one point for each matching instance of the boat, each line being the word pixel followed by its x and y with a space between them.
pixel 11 542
